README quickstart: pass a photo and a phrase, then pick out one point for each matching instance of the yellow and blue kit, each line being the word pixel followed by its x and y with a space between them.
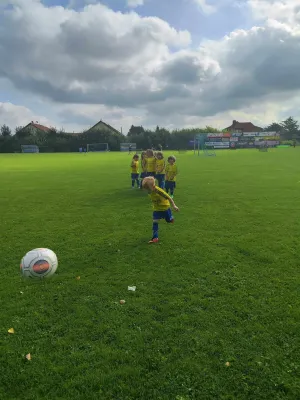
pixel 150 166
pixel 161 208
pixel 171 172
pixel 135 173
pixel 160 172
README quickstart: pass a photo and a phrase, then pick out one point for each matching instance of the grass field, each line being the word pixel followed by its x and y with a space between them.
pixel 223 286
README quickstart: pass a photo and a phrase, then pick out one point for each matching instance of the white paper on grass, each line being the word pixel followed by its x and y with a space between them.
pixel 132 288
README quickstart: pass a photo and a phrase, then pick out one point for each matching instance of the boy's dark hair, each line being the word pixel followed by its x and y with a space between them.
pixel 136 156
pixel 172 158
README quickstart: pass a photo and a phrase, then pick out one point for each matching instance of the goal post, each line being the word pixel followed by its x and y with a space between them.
pixel 97 147
pixel 29 148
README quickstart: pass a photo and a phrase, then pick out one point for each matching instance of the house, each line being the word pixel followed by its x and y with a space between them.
pixel 241 127
pixel 102 126
pixel 35 128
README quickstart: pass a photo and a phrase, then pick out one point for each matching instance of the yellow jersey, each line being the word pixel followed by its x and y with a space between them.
pixel 134 167
pixel 160 199
pixel 160 166
pixel 171 172
pixel 150 164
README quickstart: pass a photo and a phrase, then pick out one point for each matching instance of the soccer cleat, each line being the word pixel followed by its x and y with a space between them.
pixel 153 240
pixel 172 196
pixel 172 221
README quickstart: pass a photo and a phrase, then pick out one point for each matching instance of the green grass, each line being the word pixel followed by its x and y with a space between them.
pixel 223 285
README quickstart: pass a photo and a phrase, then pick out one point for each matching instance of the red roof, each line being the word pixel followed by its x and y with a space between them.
pixel 244 126
pixel 40 127
pixel 37 126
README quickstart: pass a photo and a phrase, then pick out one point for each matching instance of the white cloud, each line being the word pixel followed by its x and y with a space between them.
pixel 279 10
pixel 127 69
pixel 205 6
pixel 135 3
pixel 15 115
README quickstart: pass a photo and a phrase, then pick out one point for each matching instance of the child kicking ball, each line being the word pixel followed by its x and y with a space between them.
pixel 161 205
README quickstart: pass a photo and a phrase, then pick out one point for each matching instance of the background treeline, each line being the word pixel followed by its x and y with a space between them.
pixel 60 141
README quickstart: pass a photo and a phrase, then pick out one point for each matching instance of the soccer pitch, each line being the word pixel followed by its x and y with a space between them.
pixel 216 311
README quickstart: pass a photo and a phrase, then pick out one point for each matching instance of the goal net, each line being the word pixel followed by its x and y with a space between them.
pixel 125 146
pixel 30 148
pixel 97 147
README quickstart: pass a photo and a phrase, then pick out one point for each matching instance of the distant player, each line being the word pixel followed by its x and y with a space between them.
pixel 130 149
pixel 135 171
pixel 161 205
pixel 171 173
pixel 150 163
pixel 143 167
pixel 160 169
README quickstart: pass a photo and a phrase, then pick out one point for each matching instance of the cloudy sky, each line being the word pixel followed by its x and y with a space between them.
pixel 173 63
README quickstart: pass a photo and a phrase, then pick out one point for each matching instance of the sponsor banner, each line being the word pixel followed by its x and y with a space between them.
pixel 234 139
pixel 222 146
pixel 218 145
pixel 267 142
pixel 245 144
pixel 261 134
pixel 218 135
pixel 236 134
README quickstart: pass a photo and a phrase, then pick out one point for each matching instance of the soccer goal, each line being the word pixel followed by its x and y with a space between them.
pixel 97 147
pixel 29 148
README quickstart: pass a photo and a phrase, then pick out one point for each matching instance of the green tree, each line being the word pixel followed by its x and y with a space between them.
pixel 274 127
pixel 290 128
pixel 135 130
pixel 5 131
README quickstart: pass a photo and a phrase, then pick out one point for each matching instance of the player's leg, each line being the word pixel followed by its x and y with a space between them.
pixel 172 187
pixel 157 215
pixel 169 217
pixel 167 186
pixel 162 181
pixel 137 181
pixel 132 180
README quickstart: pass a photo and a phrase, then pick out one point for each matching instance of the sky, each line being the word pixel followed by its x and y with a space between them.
pixel 173 63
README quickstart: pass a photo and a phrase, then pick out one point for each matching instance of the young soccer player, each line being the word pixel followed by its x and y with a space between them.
pixel 160 167
pixel 135 171
pixel 161 205
pixel 171 172
pixel 150 163
pixel 144 167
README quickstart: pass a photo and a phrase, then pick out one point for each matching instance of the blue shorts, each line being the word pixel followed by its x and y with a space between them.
pixel 151 174
pixel 143 175
pixel 170 185
pixel 134 176
pixel 160 177
pixel 167 215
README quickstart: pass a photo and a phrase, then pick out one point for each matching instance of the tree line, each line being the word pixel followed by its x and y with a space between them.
pixel 60 141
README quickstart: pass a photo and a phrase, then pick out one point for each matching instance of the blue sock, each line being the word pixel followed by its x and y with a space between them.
pixel 155 230
pixel 132 182
pixel 137 183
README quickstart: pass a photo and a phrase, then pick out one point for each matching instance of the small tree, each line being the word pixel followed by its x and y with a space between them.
pixel 5 131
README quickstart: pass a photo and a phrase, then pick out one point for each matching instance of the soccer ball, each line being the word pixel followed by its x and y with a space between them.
pixel 38 264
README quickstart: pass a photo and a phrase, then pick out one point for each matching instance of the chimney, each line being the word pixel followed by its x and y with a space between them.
pixel 234 122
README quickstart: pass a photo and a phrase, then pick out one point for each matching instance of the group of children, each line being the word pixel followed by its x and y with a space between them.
pixel 155 170
pixel 153 164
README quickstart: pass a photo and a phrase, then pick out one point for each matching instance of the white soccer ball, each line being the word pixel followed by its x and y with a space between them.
pixel 39 263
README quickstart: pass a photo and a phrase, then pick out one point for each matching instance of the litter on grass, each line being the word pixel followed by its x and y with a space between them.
pixel 132 288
